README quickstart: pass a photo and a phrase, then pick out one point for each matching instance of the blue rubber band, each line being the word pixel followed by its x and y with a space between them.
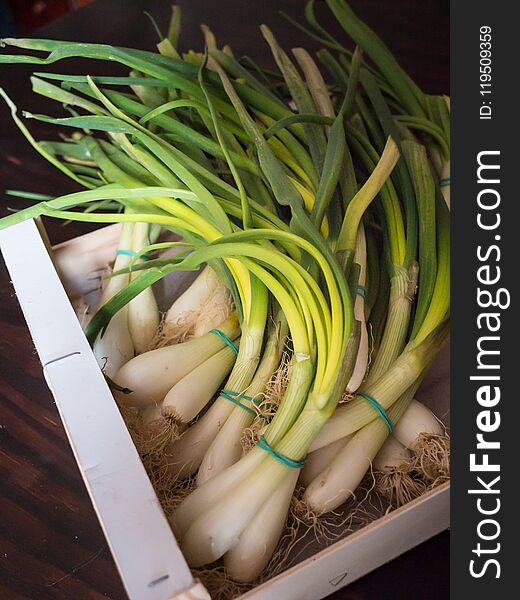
pixel 445 182
pixel 233 397
pixel 361 290
pixel 285 460
pixel 225 339
pixel 133 254
pixel 380 410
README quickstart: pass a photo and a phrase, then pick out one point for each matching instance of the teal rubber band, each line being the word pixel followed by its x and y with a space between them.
pixel 361 290
pixel 445 182
pixel 225 339
pixel 380 410
pixel 132 254
pixel 285 460
pixel 237 395
pixel 227 395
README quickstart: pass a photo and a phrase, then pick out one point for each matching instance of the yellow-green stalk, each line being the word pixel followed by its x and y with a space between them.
pixel 226 448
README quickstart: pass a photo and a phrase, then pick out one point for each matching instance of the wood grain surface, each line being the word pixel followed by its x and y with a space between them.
pixel 51 546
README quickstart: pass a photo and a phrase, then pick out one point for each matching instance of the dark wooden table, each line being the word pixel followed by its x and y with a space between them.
pixel 51 546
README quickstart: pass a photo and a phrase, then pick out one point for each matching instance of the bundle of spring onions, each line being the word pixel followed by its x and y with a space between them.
pixel 319 215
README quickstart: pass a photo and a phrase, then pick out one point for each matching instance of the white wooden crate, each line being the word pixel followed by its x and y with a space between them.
pixel 145 551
